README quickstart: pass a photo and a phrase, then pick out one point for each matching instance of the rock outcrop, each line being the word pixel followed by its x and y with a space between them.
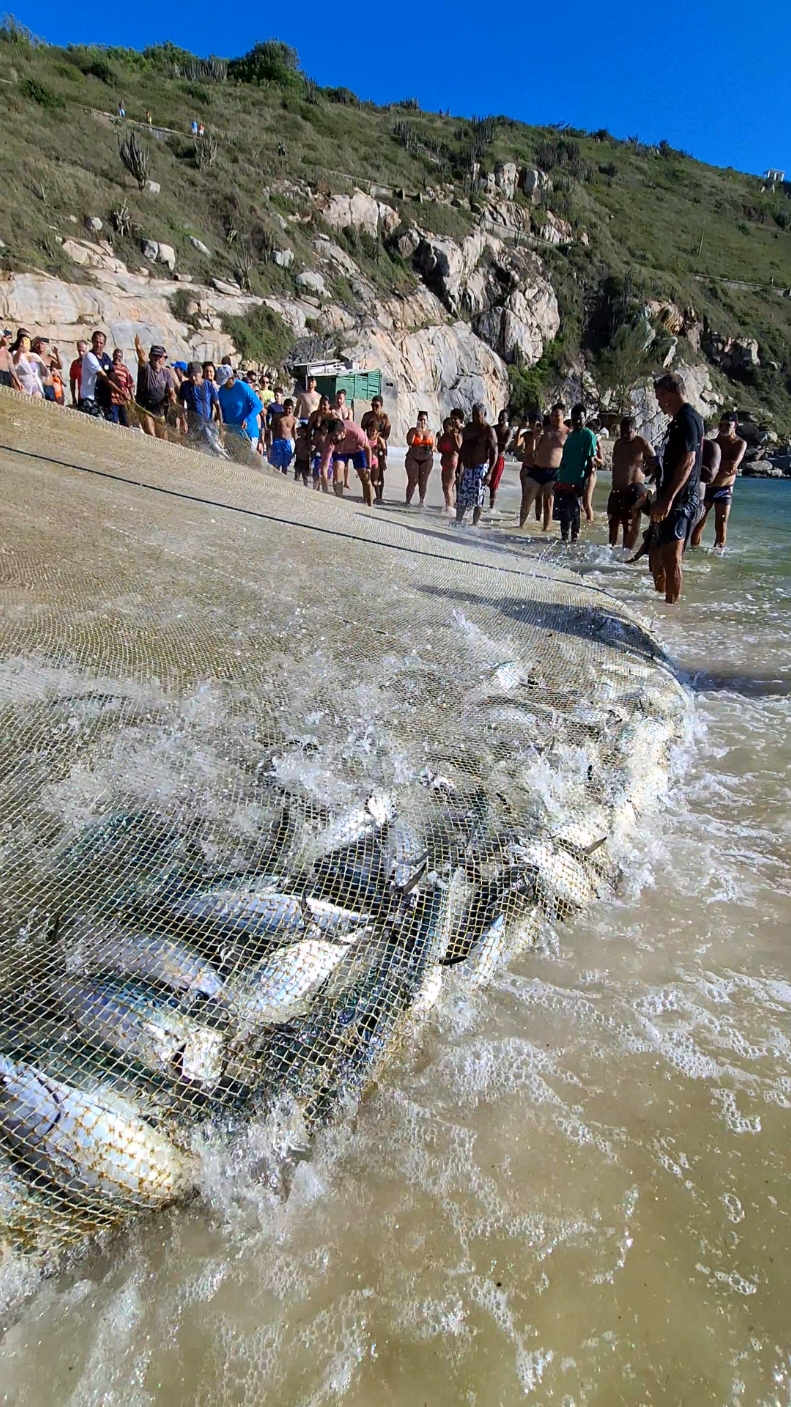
pixel 504 289
pixel 731 353
pixel 700 389
pixel 360 212
pixel 427 361
pixel 433 369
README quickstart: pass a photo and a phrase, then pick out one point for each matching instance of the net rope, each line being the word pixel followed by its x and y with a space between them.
pixel 275 768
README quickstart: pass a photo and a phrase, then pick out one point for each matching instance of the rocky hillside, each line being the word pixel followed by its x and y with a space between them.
pixel 467 259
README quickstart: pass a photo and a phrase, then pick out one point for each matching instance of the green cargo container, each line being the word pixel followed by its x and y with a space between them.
pixel 358 385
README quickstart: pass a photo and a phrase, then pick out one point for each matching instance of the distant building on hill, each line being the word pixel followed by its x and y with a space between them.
pixel 776 177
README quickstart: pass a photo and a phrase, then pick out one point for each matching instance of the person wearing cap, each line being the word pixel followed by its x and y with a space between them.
pixel 241 410
pixel 8 376
pixel 222 373
pixel 201 403
pixel 155 389
pixel 719 488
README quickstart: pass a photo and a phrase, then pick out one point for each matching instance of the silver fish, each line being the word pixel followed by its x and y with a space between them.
pixel 349 828
pixel 404 852
pixel 88 1140
pixel 563 883
pixel 155 956
pixel 456 924
pixel 258 911
pixel 139 1022
pixel 279 988
pixel 330 918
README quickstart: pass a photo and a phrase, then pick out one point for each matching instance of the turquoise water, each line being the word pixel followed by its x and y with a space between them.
pixel 576 1189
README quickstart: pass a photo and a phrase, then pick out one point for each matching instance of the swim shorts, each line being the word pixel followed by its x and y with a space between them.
pixel 621 503
pixel 722 494
pixel 470 492
pixel 280 454
pixel 497 474
pixel 542 477
pixel 677 526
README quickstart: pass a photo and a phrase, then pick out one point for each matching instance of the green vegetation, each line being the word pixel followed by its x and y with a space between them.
pixel 659 224
pixel 261 337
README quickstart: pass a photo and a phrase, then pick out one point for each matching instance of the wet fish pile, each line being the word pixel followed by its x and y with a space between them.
pixel 269 781
pixel 188 993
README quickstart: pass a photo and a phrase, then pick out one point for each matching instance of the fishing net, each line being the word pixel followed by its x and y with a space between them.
pixel 275 768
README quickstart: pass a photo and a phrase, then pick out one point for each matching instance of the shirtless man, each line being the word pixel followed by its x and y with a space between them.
pixel 502 431
pixel 719 490
pixel 8 376
pixel 341 411
pixel 375 421
pixel 631 457
pixel 284 429
pixel 477 458
pixel 307 400
pixel 317 426
pixel 547 455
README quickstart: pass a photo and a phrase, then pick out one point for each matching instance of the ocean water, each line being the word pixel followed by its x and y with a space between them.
pixel 575 1187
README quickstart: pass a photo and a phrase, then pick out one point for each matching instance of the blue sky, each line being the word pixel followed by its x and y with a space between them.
pixel 706 76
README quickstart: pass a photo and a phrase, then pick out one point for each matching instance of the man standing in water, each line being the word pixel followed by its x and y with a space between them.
pixel 631 457
pixel 719 492
pixel 547 455
pixel 502 431
pixel 477 458
pixel 579 453
pixel 675 511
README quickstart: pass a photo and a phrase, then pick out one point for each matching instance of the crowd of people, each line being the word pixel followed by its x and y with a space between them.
pixel 236 414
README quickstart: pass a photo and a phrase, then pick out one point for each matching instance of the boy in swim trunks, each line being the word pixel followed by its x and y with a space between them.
pixel 281 449
pixel 477 458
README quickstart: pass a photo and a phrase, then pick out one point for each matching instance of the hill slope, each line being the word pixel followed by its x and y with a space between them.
pixel 644 223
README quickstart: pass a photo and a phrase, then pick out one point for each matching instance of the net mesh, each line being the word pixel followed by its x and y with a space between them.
pixel 274 769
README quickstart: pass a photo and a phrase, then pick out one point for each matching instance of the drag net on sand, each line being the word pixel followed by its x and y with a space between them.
pixel 274 768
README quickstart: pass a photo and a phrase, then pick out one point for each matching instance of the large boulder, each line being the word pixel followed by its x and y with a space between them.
pixel 92 256
pixel 534 182
pixel 360 212
pixel 446 266
pixel 506 176
pixel 503 289
pixel 519 328
pixel 310 282
pixel 433 369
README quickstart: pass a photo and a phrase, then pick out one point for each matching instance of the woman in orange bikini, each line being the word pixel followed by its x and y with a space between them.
pixel 419 460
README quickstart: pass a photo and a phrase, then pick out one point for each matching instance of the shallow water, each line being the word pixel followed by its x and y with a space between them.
pixel 574 1189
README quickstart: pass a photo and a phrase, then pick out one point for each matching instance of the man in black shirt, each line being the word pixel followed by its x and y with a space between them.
pixel 675 512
